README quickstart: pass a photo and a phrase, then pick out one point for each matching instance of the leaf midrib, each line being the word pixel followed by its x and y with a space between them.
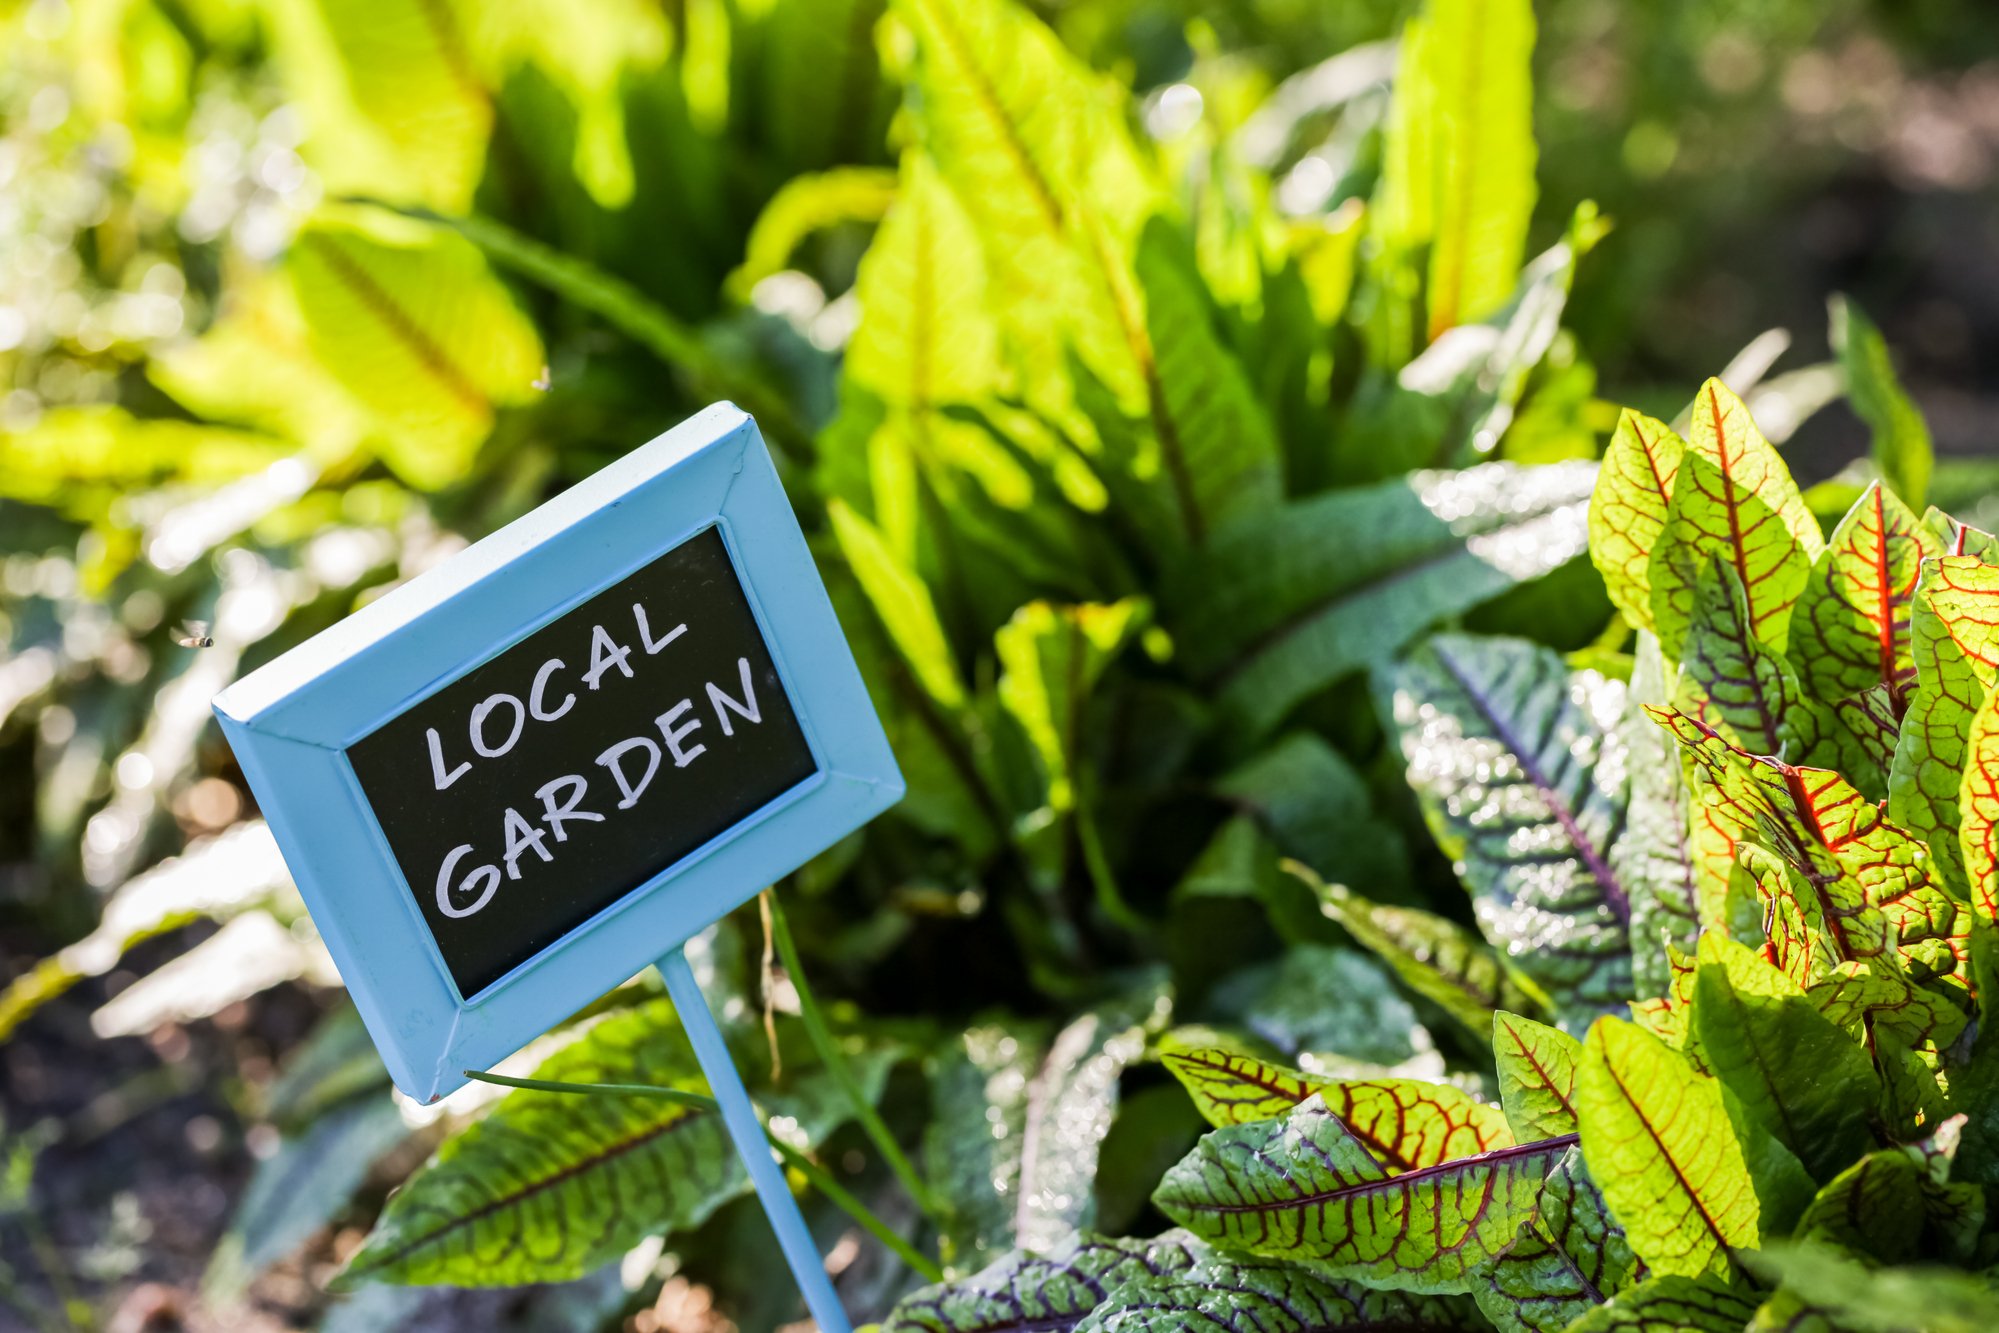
pixel 1496 1157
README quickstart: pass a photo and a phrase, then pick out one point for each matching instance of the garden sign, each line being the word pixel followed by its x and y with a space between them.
pixel 509 784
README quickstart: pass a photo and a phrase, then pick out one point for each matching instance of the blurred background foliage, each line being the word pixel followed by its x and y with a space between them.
pixel 1113 409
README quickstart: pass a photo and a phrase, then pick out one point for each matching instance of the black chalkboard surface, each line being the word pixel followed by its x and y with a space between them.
pixel 553 779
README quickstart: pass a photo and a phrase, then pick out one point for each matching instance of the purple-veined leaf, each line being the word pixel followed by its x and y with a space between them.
pixel 1050 1292
pixel 1520 771
pixel 1894 1206
pixel 1734 682
pixel 1404 1123
pixel 1732 495
pixel 1870 724
pixel 1627 511
pixel 1655 858
pixel 1850 631
pixel 1305 1188
pixel 1537 1076
pixel 1792 1070
pixel 1955 630
pixel 1253 1296
pixel 1657 1140
pixel 1567 1260
pixel 1671 1304
pixel 1434 956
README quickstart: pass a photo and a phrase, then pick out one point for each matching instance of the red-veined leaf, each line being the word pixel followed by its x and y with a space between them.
pixel 1565 1262
pixel 1956 647
pixel 1627 511
pixel 1537 1076
pixel 1850 631
pixel 1978 805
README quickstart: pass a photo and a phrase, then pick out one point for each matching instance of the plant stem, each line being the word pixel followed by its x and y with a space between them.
pixel 836 1064
pixel 819 1177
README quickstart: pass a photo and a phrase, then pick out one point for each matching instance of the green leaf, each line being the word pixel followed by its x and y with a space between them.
pixel 1902 447
pixel 1628 510
pixel 1655 858
pixel 1878 1300
pixel 1955 632
pixel 1564 1263
pixel 1050 658
pixel 1334 1004
pixel 1732 495
pixel 1537 1076
pixel 979 1086
pixel 902 602
pixel 1657 1140
pixel 1737 682
pixel 822 54
pixel 1517 764
pixel 1306 1187
pixel 1793 1071
pixel 1276 610
pixel 1671 1304
pixel 550 1185
pixel 415 326
pixel 1245 1296
pixel 1894 1206
pixel 806 204
pixel 1042 1293
pixel 1316 807
pixel 1405 1124
pixel 1435 957
pixel 1850 631
pixel 1461 155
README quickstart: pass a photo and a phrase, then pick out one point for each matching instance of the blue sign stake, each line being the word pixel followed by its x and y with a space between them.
pixel 746 1128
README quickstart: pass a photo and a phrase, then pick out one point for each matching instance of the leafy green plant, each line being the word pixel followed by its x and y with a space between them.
pixel 1790 1124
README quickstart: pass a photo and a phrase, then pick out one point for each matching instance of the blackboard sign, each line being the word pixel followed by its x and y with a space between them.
pixel 543 786
pixel 515 781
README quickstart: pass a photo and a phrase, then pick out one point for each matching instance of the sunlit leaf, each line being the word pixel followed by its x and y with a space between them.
pixel 1737 682
pixel 1733 496
pixel 1850 631
pixel 415 327
pixel 1791 1069
pixel 1656 856
pixel 1050 659
pixel 1627 513
pixel 902 603
pixel 1404 1124
pixel 1306 1188
pixel 1537 1076
pixel 1658 1144
pixel 1955 629
pixel 979 1085
pixel 1568 1259
pixel 1518 765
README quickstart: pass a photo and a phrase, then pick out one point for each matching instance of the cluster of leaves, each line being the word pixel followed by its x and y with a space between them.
pixel 1769 841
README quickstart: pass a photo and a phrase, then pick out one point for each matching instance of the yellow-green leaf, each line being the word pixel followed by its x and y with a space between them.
pixel 902 603
pixel 1537 1076
pixel 1902 447
pixel 1657 1140
pixel 1850 631
pixel 1628 510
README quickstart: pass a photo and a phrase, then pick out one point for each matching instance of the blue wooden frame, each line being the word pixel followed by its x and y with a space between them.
pixel 291 720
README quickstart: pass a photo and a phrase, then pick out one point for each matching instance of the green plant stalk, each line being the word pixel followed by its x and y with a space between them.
pixel 836 1064
pixel 816 1175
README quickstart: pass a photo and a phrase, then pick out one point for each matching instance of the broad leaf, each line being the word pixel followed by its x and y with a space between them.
pixel 1734 497
pixel 1537 1076
pixel 551 1185
pixel 1739 684
pixel 1655 858
pixel 415 326
pixel 1955 630
pixel 1627 511
pixel 1849 1295
pixel 1403 1123
pixel 902 603
pixel 1238 1296
pixel 1041 1293
pixel 1850 631
pixel 1902 448
pixel 1050 659
pixel 1566 1261
pixel 979 1085
pixel 1461 149
pixel 1316 806
pixel 1657 1140
pixel 1306 1188
pixel 1276 610
pixel 1791 1069
pixel 1435 957
pixel 1518 765
pixel 1895 1206
pixel 1672 1305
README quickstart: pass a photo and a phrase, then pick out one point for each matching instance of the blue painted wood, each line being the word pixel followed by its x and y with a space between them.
pixel 290 721
pixel 746 1128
